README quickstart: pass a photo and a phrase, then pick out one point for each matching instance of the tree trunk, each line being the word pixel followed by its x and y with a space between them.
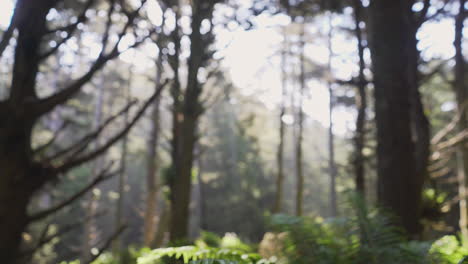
pixel 149 230
pixel 163 225
pixel 331 138
pixel 361 103
pixel 461 96
pixel 13 204
pixel 119 213
pixel 419 121
pixel 203 205
pixel 90 235
pixel 280 153
pixel 300 123
pixel 17 185
pixel 191 110
pixel 399 189
pixel 176 143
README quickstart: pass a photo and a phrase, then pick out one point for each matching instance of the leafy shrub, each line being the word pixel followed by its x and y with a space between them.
pixel 449 250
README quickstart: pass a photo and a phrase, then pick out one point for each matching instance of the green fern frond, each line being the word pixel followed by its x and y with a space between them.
pixel 197 255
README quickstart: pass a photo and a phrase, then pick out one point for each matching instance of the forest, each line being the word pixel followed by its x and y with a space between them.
pixel 233 132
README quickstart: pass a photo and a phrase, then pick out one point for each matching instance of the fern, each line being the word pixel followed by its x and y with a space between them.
pixel 367 235
pixel 197 255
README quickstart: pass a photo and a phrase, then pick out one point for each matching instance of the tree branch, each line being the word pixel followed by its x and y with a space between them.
pixel 436 14
pixel 46 105
pixel 450 127
pixel 105 36
pixel 102 176
pixel 44 239
pixel 102 149
pixel 106 244
pixel 70 30
pixel 457 139
pixel 426 77
pixel 8 33
pixel 82 144
pixel 53 139
pixel 421 16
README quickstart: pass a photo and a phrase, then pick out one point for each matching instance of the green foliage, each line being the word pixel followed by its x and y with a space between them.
pixel 432 204
pixel 201 255
pixel 233 242
pixel 449 250
pixel 367 236
pixel 127 256
pixel 208 239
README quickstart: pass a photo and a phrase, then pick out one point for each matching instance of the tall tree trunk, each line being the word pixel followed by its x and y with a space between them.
pixel 399 189
pixel 177 119
pixel 361 103
pixel 16 125
pixel 119 213
pixel 420 123
pixel 461 96
pixel 152 183
pixel 89 234
pixel 331 137
pixel 191 111
pixel 280 153
pixel 300 123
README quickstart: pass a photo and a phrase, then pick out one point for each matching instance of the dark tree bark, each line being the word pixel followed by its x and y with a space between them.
pixel 420 123
pixel 399 188
pixel 361 103
pixel 177 119
pixel 16 131
pixel 190 110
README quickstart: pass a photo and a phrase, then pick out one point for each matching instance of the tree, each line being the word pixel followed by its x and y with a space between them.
pixel 331 137
pixel 149 230
pixel 399 188
pixel 361 103
pixel 459 86
pixel 300 123
pixel 23 174
pixel 122 179
pixel 91 205
pixel 280 153
pixel 188 108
